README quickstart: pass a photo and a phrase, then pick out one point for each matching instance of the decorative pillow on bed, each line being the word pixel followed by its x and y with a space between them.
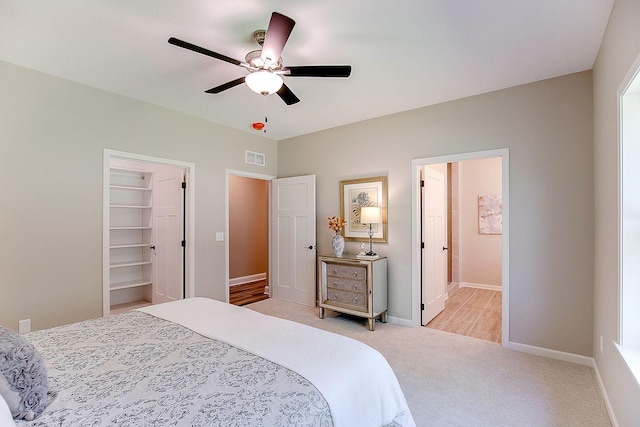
pixel 6 420
pixel 23 377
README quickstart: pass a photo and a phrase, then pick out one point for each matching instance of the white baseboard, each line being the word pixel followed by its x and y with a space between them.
pixel 480 286
pixel 247 279
pixel 573 358
pixel 552 354
pixel 400 321
pixel 605 397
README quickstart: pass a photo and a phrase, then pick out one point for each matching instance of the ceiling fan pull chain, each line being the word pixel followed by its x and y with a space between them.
pixel 265 115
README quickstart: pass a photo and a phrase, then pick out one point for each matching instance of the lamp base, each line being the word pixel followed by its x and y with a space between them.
pixel 366 256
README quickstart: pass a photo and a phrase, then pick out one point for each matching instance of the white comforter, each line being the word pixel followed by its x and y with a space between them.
pixel 356 380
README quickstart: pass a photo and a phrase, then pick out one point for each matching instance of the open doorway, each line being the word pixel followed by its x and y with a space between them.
pixel 148 235
pixel 247 231
pixel 291 236
pixel 471 202
pixel 470 249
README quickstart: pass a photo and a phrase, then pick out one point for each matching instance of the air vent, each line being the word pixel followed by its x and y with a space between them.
pixel 254 158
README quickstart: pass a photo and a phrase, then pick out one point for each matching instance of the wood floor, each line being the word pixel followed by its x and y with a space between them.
pixel 472 312
pixel 123 308
pixel 247 293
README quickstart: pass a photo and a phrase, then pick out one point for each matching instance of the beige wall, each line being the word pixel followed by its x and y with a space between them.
pixel 620 48
pixel 52 136
pixel 480 259
pixel 547 127
pixel 248 226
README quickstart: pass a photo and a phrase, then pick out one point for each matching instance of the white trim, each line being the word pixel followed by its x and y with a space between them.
pixel 631 359
pixel 247 279
pixel 249 174
pixel 605 397
pixel 191 219
pixel 253 175
pixel 552 354
pixel 415 224
pixel 480 286
pixel 400 321
pixel 626 346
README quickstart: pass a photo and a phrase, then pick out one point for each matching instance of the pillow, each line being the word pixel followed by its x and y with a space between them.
pixel 6 420
pixel 23 377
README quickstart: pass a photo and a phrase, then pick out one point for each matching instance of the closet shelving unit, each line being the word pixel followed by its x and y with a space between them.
pixel 130 236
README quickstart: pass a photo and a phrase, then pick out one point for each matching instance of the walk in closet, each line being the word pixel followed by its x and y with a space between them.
pixel 148 234
pixel 130 234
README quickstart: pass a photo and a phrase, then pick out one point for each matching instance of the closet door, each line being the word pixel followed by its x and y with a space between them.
pixel 167 231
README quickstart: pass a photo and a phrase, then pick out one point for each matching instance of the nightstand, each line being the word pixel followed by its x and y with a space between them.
pixel 355 286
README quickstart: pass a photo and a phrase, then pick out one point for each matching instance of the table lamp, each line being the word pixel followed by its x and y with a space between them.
pixel 370 215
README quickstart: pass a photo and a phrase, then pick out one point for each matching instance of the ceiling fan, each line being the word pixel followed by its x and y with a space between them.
pixel 265 65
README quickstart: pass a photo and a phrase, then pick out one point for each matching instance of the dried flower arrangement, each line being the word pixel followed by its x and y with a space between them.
pixel 336 223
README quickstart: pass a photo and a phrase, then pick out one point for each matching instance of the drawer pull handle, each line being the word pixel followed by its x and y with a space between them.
pixel 335 270
pixel 335 296
pixel 355 287
pixel 355 274
pixel 355 300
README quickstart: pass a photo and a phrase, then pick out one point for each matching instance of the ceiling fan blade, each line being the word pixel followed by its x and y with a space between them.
pixel 186 45
pixel 226 86
pixel 318 71
pixel 280 28
pixel 287 96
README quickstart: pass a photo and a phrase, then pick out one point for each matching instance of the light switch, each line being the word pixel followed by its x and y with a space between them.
pixel 219 236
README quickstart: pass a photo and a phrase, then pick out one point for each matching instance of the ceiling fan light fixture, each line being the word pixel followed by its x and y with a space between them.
pixel 264 82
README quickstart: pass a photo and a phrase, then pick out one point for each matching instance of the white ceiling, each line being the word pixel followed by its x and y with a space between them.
pixel 405 54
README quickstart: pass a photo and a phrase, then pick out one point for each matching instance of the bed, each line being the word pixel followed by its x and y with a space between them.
pixel 200 362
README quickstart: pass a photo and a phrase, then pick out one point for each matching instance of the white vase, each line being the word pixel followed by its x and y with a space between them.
pixel 337 243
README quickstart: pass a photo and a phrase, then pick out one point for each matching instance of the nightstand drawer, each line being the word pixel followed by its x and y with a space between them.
pixel 346 297
pixel 353 272
pixel 359 286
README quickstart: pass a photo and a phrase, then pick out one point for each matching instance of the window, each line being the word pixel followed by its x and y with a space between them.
pixel 629 339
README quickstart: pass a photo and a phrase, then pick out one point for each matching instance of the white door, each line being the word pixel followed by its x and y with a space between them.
pixel 167 233
pixel 434 261
pixel 293 239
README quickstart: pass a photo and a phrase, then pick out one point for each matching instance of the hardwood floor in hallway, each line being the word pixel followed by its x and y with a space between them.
pixel 472 312
pixel 247 293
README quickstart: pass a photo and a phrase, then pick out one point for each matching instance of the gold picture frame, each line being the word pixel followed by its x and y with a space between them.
pixel 356 193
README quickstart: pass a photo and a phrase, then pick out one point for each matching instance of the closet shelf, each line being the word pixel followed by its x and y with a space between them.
pixel 129 171
pixel 130 216
pixel 129 187
pixel 130 206
pixel 132 245
pixel 128 263
pixel 128 284
pixel 129 228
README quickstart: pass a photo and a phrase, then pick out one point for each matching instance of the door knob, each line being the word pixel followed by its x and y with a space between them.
pixel 310 247
pixel 152 247
pixel 445 249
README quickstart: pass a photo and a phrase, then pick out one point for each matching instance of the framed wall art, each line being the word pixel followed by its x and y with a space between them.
pixel 490 214
pixel 356 194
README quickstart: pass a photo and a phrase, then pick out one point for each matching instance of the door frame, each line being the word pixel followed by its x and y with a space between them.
pixel 229 172
pixel 503 153
pixel 190 217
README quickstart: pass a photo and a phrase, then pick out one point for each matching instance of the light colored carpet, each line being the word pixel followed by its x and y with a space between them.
pixel 451 380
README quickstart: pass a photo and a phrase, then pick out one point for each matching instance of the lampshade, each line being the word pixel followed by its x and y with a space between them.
pixel 263 82
pixel 370 215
